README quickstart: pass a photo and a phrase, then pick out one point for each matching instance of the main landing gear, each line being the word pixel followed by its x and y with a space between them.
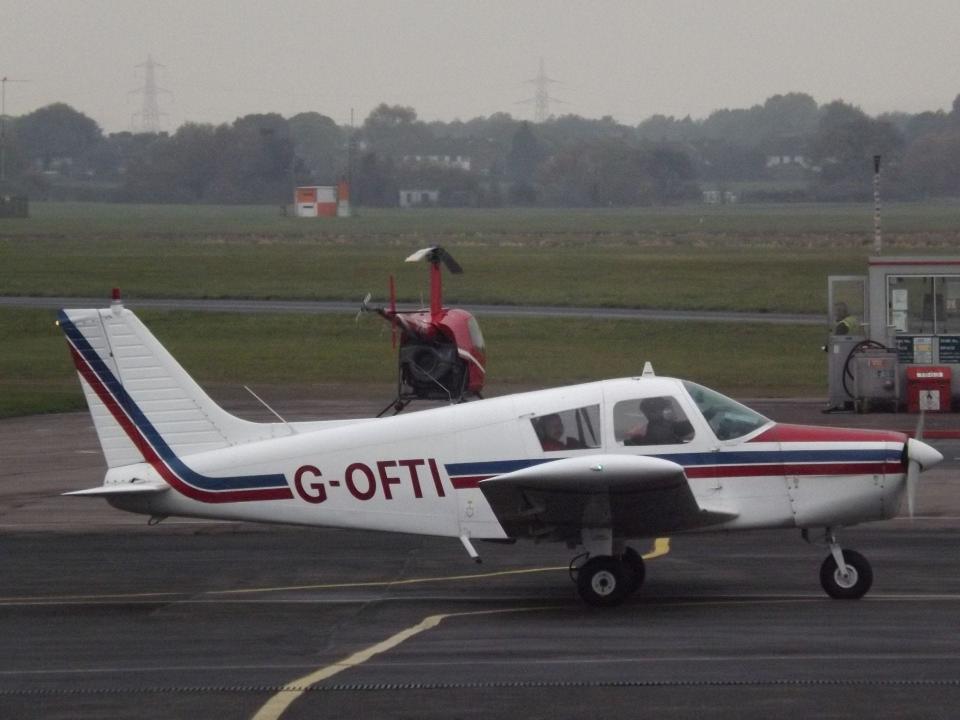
pixel 844 574
pixel 605 580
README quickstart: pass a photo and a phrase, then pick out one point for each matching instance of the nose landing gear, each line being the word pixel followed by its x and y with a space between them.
pixel 844 574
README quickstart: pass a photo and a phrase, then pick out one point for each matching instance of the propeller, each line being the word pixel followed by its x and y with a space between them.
pixel 437 254
pixel 364 307
pixel 913 468
pixel 389 313
pixel 919 457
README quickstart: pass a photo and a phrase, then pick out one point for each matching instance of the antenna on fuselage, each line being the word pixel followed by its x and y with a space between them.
pixel 264 403
pixel 648 370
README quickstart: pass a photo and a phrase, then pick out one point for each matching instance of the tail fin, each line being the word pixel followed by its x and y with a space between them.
pixel 140 396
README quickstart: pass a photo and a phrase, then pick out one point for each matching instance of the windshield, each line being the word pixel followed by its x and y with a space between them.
pixel 476 337
pixel 728 419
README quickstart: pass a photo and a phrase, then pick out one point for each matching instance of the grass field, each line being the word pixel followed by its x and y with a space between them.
pixel 738 258
pixel 772 279
pixel 85 220
pixel 36 374
pixel 757 258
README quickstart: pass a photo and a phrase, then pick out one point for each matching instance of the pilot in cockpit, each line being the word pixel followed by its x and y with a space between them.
pixel 551 432
pixel 663 426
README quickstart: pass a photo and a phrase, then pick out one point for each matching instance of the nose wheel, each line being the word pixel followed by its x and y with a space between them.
pixel 851 581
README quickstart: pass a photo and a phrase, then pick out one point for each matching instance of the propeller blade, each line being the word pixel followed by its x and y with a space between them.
pixel 436 254
pixel 920 457
pixel 913 474
pixel 913 466
pixel 452 265
pixel 421 254
pixel 364 307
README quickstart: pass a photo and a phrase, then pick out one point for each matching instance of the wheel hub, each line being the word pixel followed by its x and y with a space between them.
pixel 848 580
pixel 603 583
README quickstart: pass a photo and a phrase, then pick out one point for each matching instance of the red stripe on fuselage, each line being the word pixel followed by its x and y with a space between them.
pixel 150 455
pixel 775 469
pixel 467 482
pixel 782 432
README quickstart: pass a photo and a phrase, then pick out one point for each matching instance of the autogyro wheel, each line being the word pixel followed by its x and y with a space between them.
pixel 602 582
pixel 855 584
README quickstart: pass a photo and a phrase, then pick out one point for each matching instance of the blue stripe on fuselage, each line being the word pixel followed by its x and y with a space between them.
pixel 736 457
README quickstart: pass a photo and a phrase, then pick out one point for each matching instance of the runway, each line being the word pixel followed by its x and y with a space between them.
pixel 102 616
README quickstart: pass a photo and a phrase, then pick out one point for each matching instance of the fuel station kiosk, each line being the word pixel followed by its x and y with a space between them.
pixel 895 336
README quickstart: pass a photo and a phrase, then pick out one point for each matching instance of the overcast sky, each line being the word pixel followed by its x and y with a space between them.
pixel 461 58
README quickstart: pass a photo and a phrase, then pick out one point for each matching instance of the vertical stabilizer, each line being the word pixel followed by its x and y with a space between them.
pixel 141 399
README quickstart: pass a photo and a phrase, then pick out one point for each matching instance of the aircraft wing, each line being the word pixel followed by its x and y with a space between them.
pixel 633 495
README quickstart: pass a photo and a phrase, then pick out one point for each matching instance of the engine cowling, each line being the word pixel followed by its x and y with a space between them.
pixel 432 371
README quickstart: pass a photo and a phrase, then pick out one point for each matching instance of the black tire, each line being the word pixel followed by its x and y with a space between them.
pixel 856 586
pixel 636 569
pixel 602 582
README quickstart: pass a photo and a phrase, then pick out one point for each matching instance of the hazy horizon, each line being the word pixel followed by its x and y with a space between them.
pixel 465 59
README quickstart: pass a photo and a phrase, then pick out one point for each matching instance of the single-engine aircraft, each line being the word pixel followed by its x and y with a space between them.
pixel 442 353
pixel 597 466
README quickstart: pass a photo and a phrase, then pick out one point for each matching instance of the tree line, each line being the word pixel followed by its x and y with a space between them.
pixel 788 148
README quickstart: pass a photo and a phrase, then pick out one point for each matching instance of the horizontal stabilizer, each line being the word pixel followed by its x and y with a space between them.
pixel 123 489
pixel 632 495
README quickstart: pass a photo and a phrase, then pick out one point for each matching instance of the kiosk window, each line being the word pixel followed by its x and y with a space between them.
pixel 569 429
pixel 651 421
pixel 924 304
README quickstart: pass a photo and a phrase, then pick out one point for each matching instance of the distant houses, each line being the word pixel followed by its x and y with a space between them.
pixel 419 198
pixel 457 162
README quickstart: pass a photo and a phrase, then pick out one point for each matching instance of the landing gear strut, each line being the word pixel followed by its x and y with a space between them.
pixel 605 581
pixel 844 574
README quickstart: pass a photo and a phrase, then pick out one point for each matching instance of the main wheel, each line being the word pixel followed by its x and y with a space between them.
pixel 636 570
pixel 857 582
pixel 602 582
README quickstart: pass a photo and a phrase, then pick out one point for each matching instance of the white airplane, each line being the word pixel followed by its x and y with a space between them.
pixel 596 466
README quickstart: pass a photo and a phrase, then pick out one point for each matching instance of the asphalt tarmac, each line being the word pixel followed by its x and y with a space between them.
pixel 102 616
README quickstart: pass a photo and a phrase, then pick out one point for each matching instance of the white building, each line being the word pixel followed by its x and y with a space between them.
pixel 459 162
pixel 419 198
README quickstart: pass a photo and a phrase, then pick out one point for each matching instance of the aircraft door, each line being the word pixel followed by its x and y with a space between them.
pixel 746 470
pixel 848 320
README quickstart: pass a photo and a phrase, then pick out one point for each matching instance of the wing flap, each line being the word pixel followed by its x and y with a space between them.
pixel 635 496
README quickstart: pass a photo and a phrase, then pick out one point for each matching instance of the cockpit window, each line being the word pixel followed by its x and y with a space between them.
pixel 728 418
pixel 651 421
pixel 570 429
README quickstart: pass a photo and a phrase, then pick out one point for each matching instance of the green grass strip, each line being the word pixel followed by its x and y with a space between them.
pixel 749 360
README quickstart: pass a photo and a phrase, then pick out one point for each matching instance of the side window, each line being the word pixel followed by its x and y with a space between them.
pixel 651 421
pixel 569 430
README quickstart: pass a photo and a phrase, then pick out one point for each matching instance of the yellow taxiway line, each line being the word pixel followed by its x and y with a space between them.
pixel 661 546
pixel 278 704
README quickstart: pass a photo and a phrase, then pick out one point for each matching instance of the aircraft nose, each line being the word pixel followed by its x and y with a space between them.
pixel 921 453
